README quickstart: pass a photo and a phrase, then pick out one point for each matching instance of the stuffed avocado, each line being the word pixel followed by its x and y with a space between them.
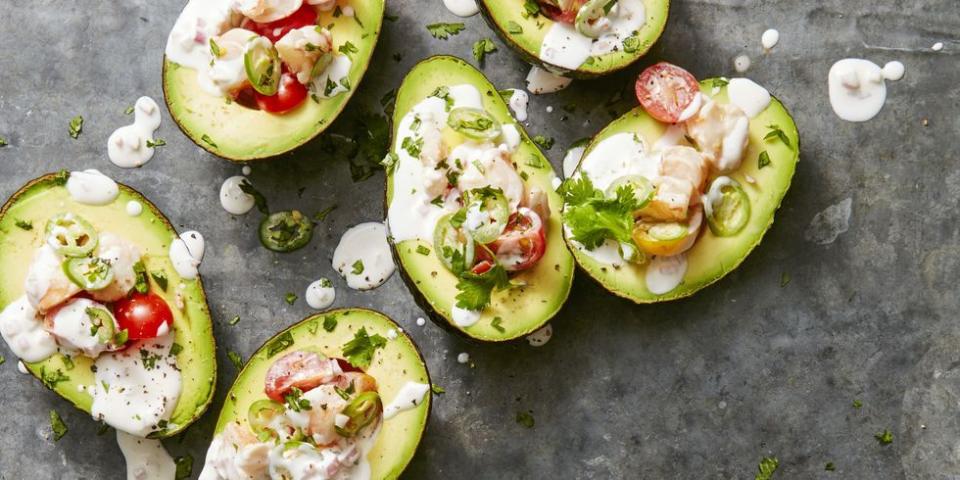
pixel 471 209
pixel 673 195
pixel 101 301
pixel 578 38
pixel 251 80
pixel 345 393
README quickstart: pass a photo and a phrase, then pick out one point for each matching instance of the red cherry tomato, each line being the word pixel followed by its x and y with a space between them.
pixel 304 370
pixel 482 267
pixel 290 95
pixel 665 90
pixel 275 30
pixel 565 16
pixel 523 243
pixel 347 366
pixel 142 315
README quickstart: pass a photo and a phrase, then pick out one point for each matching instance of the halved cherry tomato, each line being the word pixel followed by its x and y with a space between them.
pixel 304 370
pixel 305 16
pixel 482 267
pixel 142 315
pixel 290 95
pixel 568 15
pixel 523 242
pixel 665 90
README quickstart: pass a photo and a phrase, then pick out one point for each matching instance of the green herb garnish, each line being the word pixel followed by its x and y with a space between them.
pixel 482 47
pixel 329 323
pixel 235 359
pixel 56 424
pixel 279 344
pixel 76 126
pixel 442 31
pixel 763 160
pixel 525 419
pixel 290 298
pixel 24 225
pixel 767 466
pixel 359 351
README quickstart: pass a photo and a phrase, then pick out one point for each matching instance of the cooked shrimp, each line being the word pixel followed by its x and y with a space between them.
pixel 489 167
pixel 326 404
pixel 227 73
pixel 236 453
pixel 300 49
pixel 122 256
pixel 720 131
pixel 263 11
pixel 671 200
pixel 684 163
pixel 46 285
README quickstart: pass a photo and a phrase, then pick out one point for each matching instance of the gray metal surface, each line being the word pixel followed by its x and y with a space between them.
pixel 695 389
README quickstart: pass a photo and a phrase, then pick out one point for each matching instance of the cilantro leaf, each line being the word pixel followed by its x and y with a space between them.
pixel 482 47
pixel 767 466
pixel 475 289
pixel 442 31
pixel 279 344
pixel 24 225
pixel 76 126
pixel 593 218
pixel 885 437
pixel 525 419
pixel 543 142
pixel 235 359
pixel 777 133
pixel 514 28
pixel 258 199
pixel 184 467
pixel 359 351
pixel 763 160
pixel 329 323
pixel 56 424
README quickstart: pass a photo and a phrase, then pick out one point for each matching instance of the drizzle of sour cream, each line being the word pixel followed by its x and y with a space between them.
pixel 741 63
pixel 186 252
pixel 233 199
pixel 410 396
pixel 320 294
pixel 90 187
pixel 127 146
pixel 23 331
pixel 462 8
pixel 770 38
pixel 518 103
pixel 540 81
pixel 571 159
pixel 665 273
pixel 857 89
pixel 463 357
pixel 134 208
pixel 893 70
pixel 146 458
pixel 748 95
pixel 363 256
pixel 463 317
pixel 564 46
pixel 338 69
pixel 540 337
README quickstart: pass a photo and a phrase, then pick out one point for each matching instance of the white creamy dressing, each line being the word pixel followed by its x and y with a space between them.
pixel 665 273
pixel 691 109
pixel 463 317
pixel 233 199
pixel 541 336
pixel 22 368
pixel 127 145
pixel 741 63
pixel 619 155
pixel 23 331
pixel 937 47
pixel 571 159
pixel 463 357
pixel 518 103
pixel 188 43
pixel 565 47
pixel 134 208
pixel 421 321
pixel 90 187
pixel 73 327
pixel 129 396
pixel 893 70
pixel 186 252
pixel 338 69
pixel 752 98
pixel 320 294
pixel 146 458
pixel 364 249
pixel 770 38
pixel 410 396
pixel 540 81
pixel 857 88
pixel 462 8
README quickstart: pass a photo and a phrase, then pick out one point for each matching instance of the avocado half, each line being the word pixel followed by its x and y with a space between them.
pixel 524 33
pixel 46 196
pixel 521 310
pixel 398 362
pixel 711 257
pixel 242 134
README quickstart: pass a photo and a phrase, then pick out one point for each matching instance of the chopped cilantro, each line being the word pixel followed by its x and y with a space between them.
pixel 412 146
pixel 422 250
pixel 525 419
pixel 24 225
pixel 543 142
pixel 348 48
pixel 765 469
pixel 329 323
pixel 3 142
pixel 214 48
pixel 279 344
pixel 885 437
pixel 784 279
pixel 175 349
pixel 437 389
pixel 389 161
pixel 56 424
pixel 497 324
pixel 442 31
pixel 719 82
pixel 357 267
pixel 235 359
pixel 592 217
pixel 857 403
pixel 631 44
pixel 482 47
pixel 295 400
pixel 128 110
pixel 829 467
pixel 474 290
pixel 142 284
pixel 777 132
pixel 258 199
pixel 530 8
pixel 156 142
pixel 290 298
pixel 76 126
pixel 52 379
pixel 514 28
pixel 763 160
pixel 359 351
pixel 184 467
pixel 209 141
pixel 3 359
pixel 161 278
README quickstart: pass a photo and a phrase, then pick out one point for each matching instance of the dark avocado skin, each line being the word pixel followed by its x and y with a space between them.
pixel 578 74
pixel 202 404
pixel 260 359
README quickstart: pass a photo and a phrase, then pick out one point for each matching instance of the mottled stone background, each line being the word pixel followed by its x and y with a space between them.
pixel 695 389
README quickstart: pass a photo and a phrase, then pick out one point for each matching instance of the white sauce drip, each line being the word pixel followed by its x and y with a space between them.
pixel 752 98
pixel 233 199
pixel 186 253
pixel 22 368
pixel 619 155
pixel 691 109
pixel 410 396
pixel 338 69
pixel 320 294
pixel 540 81
pixel 131 398
pixel 462 8
pixel 127 145
pixel 769 39
pixel 937 47
pixel 540 337
pixel 518 103
pixel 857 90
pixel 463 317
pixel 23 331
pixel 90 187
pixel 565 47
pixel 72 327
pixel 893 70
pixel 571 159
pixel 134 208
pixel 365 243
pixel 146 458
pixel 463 357
pixel 665 273
pixel 741 63
pixel 421 321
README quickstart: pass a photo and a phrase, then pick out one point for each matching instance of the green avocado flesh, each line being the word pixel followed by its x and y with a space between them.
pixel 711 257
pixel 238 133
pixel 393 366
pixel 525 34
pixel 521 310
pixel 152 233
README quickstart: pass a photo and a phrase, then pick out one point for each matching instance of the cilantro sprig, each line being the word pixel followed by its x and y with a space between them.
pixel 593 217
pixel 359 351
